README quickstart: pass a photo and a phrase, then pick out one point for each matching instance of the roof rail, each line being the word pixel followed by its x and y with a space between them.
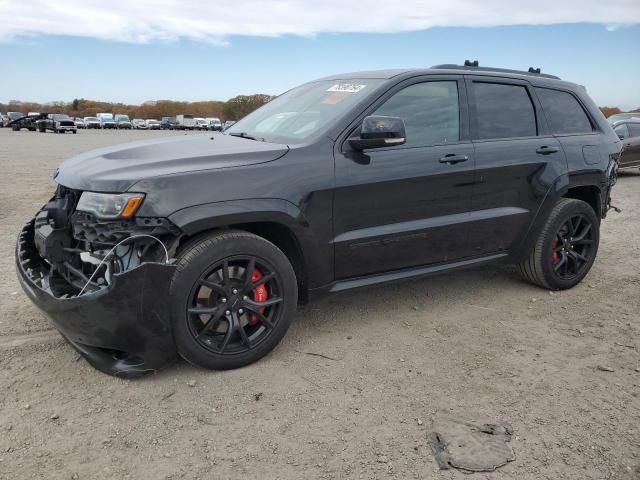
pixel 475 66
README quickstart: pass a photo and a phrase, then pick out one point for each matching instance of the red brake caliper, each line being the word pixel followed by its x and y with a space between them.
pixel 259 293
pixel 555 256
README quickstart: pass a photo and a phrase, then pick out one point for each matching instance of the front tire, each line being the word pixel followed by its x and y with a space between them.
pixel 234 295
pixel 566 248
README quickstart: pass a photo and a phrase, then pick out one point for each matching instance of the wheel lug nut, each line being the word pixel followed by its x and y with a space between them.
pixel 228 312
pixel 245 298
pixel 223 300
pixel 240 311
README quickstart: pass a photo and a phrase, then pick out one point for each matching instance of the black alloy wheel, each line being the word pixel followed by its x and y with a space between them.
pixel 233 295
pixel 572 247
pixel 566 248
pixel 234 305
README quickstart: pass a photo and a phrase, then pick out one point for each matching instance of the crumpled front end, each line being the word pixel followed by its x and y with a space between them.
pixel 113 308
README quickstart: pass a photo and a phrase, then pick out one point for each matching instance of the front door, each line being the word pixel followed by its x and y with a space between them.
pixel 404 206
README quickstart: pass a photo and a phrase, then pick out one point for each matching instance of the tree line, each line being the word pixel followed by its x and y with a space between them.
pixel 233 109
pixel 608 111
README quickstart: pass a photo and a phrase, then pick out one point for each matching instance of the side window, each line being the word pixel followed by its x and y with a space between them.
pixel 622 131
pixel 564 112
pixel 634 129
pixel 503 111
pixel 430 112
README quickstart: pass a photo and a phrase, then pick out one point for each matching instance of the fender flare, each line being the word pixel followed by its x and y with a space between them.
pixel 200 218
pixel 557 189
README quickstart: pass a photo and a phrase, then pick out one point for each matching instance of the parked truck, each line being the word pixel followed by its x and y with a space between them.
pixel 56 122
pixel 185 122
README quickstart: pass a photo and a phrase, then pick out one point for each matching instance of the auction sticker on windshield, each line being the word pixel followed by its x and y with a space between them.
pixel 346 87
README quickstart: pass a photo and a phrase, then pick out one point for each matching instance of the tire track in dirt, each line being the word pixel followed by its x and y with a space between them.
pixel 29 339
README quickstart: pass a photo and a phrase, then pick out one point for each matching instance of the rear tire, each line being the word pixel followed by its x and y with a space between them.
pixel 566 247
pixel 236 328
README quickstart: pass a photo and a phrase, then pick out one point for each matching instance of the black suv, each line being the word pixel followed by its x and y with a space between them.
pixel 203 245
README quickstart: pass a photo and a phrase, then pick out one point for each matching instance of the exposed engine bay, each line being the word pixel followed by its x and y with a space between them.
pixel 81 253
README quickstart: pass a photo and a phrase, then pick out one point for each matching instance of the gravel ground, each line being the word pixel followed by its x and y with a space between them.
pixel 479 344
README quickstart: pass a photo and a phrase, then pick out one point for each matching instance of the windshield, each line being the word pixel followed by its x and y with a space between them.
pixel 122 118
pixel 91 119
pixel 304 111
pixel 14 115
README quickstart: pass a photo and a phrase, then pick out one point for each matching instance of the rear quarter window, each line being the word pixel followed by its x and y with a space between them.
pixel 563 111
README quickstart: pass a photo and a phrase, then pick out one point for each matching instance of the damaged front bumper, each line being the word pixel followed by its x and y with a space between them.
pixel 123 329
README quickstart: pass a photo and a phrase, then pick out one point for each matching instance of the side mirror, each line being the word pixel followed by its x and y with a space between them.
pixel 379 131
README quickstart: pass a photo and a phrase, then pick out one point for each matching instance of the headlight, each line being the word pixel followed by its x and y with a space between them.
pixel 110 205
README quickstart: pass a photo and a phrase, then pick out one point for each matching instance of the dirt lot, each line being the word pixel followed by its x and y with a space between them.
pixel 480 344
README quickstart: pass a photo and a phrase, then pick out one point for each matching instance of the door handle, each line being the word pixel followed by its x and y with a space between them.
pixel 452 159
pixel 547 150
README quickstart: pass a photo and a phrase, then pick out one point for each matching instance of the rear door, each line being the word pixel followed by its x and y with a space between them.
pixel 516 161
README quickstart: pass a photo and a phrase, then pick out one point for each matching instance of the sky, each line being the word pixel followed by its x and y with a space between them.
pixel 135 51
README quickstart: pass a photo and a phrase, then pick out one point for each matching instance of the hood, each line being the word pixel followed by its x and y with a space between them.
pixel 117 168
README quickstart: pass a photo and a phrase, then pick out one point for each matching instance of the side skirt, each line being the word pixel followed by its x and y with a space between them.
pixel 399 275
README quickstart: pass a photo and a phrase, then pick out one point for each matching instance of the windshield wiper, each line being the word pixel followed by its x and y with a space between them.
pixel 246 135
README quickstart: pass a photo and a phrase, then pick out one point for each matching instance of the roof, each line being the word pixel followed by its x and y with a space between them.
pixel 626 120
pixel 452 69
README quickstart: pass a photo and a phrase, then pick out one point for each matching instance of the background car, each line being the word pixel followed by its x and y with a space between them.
pixel 214 123
pixel 623 116
pixel 629 132
pixel 79 122
pixel 227 124
pixel 106 120
pixel 122 122
pixel 168 123
pixel 200 124
pixel 138 124
pixel 92 122
pixel 152 124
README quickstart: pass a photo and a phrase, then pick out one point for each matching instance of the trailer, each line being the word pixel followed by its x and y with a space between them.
pixel 30 122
